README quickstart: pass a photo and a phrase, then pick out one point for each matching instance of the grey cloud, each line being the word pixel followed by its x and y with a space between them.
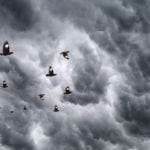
pixel 18 14
pixel 85 120
pixel 134 113
pixel 90 81
pixel 18 141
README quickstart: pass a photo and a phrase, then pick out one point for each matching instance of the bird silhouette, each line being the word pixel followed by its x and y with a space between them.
pixel 25 108
pixel 5 50
pixel 41 96
pixel 67 90
pixel 56 108
pixel 4 84
pixel 65 54
pixel 50 72
pixel 12 111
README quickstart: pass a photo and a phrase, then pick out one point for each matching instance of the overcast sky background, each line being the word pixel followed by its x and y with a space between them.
pixel 108 72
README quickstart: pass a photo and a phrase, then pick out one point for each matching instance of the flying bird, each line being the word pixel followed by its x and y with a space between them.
pixel 56 108
pixel 4 84
pixel 67 90
pixel 5 50
pixel 11 111
pixel 65 54
pixel 25 108
pixel 50 72
pixel 41 96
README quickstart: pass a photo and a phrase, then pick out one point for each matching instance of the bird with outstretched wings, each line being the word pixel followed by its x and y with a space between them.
pixel 56 108
pixel 50 72
pixel 67 90
pixel 65 54
pixel 4 84
pixel 41 96
pixel 6 48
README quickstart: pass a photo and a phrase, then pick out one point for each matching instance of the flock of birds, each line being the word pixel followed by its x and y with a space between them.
pixel 65 54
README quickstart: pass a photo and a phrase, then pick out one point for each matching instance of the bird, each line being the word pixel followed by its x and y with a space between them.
pixel 56 108
pixel 65 54
pixel 5 50
pixel 50 72
pixel 12 111
pixel 25 108
pixel 67 90
pixel 4 84
pixel 41 96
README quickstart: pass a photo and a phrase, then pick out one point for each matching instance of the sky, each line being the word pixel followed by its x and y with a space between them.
pixel 108 73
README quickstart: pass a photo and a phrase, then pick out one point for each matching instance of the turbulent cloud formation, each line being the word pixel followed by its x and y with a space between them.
pixel 108 73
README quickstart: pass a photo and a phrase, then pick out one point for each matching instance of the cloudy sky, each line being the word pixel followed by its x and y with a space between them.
pixel 108 72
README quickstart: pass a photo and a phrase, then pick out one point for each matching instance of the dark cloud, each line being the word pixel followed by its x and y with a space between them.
pixel 90 80
pixel 108 72
pixel 134 113
pixel 18 14
pixel 11 138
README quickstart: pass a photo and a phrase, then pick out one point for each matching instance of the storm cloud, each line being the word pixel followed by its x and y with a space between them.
pixel 108 73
